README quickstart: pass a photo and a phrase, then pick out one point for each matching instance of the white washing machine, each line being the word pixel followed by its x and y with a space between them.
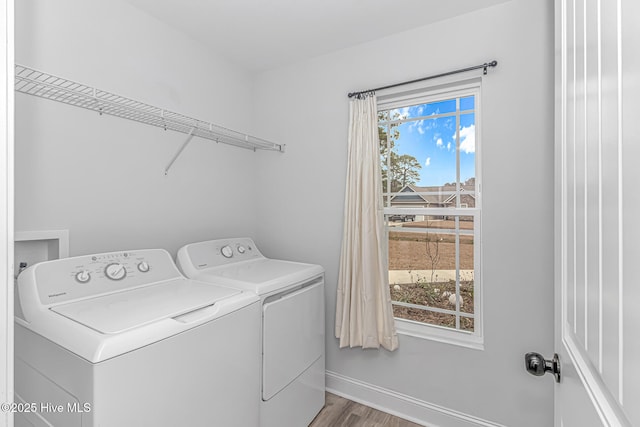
pixel 292 329
pixel 123 339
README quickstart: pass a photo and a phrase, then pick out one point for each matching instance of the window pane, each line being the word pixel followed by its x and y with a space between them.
pixel 467 273
pixel 383 131
pixel 467 151
pixel 442 107
pixel 466 324
pixel 467 103
pixel 424 316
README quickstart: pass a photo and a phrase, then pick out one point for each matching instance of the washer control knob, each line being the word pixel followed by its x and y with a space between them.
pixel 115 271
pixel 241 249
pixel 226 251
pixel 143 266
pixel 83 276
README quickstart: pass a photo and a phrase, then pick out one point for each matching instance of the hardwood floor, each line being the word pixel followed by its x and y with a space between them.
pixel 340 412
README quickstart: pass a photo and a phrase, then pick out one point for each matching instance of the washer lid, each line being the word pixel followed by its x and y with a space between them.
pixel 261 276
pixel 262 270
pixel 121 311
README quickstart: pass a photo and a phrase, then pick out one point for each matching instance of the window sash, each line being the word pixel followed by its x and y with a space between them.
pixel 477 282
pixel 471 89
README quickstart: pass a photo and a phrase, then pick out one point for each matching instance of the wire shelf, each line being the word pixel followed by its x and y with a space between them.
pixel 44 85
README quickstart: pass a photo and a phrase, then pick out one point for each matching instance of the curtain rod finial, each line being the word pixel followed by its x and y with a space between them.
pixel 489 64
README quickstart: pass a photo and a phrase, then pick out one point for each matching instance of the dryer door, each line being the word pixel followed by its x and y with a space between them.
pixel 293 336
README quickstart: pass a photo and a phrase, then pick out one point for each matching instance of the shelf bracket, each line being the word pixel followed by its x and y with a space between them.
pixel 184 145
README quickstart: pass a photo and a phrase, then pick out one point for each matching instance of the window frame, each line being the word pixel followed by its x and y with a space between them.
pixel 430 94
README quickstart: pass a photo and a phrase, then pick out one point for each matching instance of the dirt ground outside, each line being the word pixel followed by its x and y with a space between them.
pixel 410 251
pixel 415 252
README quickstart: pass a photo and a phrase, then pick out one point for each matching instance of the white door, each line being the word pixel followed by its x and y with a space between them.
pixel 597 212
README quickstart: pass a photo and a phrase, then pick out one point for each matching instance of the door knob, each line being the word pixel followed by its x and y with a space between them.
pixel 536 365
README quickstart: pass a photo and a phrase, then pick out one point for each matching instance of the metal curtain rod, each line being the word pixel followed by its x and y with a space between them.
pixel 463 70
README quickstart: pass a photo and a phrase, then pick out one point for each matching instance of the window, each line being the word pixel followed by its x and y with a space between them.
pixel 429 151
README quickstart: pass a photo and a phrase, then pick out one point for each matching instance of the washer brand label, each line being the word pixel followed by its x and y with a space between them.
pixel 57 295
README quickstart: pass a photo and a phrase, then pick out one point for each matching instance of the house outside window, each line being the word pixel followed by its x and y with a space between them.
pixel 429 151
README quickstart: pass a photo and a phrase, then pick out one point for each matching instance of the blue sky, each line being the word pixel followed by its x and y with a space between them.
pixel 433 141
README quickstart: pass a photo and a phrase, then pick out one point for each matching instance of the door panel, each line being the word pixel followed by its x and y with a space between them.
pixel 610 199
pixel 630 159
pixel 578 411
pixel 596 212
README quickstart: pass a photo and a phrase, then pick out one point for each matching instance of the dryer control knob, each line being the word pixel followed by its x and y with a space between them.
pixel 241 249
pixel 226 251
pixel 143 266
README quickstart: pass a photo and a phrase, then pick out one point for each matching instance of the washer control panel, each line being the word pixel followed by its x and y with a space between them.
pixel 214 253
pixel 86 276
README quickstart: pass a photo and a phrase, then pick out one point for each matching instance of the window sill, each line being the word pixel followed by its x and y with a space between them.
pixel 439 334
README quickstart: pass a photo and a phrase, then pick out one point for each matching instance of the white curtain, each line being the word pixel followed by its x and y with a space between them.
pixel 364 316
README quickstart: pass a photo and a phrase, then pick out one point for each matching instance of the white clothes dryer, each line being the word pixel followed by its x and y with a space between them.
pixel 123 339
pixel 292 328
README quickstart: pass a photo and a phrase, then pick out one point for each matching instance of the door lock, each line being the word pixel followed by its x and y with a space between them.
pixel 536 365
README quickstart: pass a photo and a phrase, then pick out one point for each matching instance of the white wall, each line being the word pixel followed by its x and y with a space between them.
pixel 305 106
pixel 6 209
pixel 103 177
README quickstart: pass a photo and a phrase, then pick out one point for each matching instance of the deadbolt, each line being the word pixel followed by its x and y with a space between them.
pixel 536 365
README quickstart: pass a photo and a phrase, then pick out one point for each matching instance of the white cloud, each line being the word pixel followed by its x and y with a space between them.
pixel 399 113
pixel 468 139
pixel 449 124
pixel 428 161
pixel 448 146
pixel 418 125
pixel 439 142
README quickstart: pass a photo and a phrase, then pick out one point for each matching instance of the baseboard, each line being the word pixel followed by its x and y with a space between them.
pixel 400 405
